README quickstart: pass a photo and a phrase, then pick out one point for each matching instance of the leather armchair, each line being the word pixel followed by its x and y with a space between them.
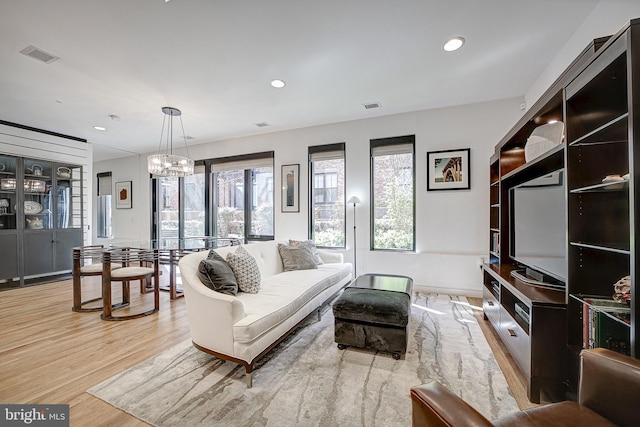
pixel 608 395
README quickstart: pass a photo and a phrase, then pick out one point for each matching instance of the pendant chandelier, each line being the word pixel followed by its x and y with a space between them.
pixel 165 163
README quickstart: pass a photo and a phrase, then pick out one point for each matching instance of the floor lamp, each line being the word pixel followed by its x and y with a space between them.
pixel 355 200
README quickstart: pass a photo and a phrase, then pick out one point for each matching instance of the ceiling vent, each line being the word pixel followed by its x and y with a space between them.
pixel 262 124
pixel 371 105
pixel 39 54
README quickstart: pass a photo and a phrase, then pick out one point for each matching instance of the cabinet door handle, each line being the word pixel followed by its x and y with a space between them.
pixel 512 332
pixel 490 303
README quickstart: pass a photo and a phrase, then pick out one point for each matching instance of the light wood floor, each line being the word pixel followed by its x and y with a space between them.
pixel 49 354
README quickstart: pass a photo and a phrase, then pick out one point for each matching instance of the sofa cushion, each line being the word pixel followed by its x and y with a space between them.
pixel 311 245
pixel 245 268
pixel 215 273
pixel 297 257
pixel 282 295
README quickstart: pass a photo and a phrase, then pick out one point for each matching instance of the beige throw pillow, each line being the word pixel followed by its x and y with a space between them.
pixel 312 246
pixel 296 257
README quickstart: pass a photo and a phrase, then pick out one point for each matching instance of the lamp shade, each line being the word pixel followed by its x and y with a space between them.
pixel 166 163
pixel 354 199
pixel 169 165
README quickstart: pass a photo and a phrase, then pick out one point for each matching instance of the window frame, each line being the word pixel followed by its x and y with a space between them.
pixel 106 203
pixel 381 142
pixel 314 149
pixel 248 192
pixel 157 197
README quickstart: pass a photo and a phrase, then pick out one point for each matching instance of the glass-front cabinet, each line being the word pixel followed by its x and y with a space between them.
pixel 38 192
pixel 8 193
pixel 41 217
pixel 10 266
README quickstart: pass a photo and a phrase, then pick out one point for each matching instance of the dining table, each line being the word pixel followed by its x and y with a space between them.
pixel 171 249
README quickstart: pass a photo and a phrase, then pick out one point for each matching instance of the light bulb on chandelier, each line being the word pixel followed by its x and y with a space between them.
pixel 166 163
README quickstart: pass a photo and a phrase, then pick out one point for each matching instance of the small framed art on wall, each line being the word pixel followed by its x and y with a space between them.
pixel 448 170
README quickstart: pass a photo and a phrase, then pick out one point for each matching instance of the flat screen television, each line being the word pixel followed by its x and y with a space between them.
pixel 538 222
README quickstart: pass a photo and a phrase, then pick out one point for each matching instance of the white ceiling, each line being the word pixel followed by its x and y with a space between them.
pixel 214 60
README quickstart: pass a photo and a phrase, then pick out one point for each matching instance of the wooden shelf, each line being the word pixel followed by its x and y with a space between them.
pixel 615 131
pixel 617 247
pixel 550 161
pixel 605 186
pixel 608 310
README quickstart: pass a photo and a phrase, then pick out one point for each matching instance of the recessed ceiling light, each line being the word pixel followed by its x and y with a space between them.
pixel 100 128
pixel 454 43
pixel 277 83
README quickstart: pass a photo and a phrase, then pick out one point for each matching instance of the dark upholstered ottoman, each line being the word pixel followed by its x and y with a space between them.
pixel 373 312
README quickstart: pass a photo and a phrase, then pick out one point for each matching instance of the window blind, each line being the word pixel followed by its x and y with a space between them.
pixel 250 161
pixel 390 150
pixel 104 184
pixel 326 155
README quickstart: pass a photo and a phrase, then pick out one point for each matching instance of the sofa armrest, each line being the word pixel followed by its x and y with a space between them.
pixel 435 406
pixel 610 385
pixel 211 314
pixel 331 257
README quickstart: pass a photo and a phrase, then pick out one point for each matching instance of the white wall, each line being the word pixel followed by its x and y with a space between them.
pixel 607 18
pixel 451 226
pixel 130 224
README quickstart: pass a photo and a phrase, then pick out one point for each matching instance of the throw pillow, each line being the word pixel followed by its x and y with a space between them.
pixel 297 257
pixel 245 268
pixel 312 246
pixel 215 273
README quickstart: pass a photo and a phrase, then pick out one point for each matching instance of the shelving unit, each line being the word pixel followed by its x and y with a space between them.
pixel 42 220
pixel 602 220
pixel 494 207
pixel 546 329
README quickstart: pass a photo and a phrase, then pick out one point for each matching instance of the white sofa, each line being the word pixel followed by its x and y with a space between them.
pixel 244 327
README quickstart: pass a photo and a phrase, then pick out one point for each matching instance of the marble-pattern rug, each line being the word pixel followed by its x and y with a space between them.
pixel 307 381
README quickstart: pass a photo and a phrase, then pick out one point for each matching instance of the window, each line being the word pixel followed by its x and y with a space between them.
pixel 169 210
pixel 243 196
pixel 327 212
pixel 104 206
pixel 393 193
pixel 194 203
pixel 179 207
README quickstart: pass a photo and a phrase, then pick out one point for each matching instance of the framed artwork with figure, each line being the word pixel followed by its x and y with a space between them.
pixel 291 188
pixel 123 195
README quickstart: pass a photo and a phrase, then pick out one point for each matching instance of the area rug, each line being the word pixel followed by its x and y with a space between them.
pixel 308 381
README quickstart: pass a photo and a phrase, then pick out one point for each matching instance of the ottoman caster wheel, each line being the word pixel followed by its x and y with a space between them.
pixel 342 346
pixel 396 356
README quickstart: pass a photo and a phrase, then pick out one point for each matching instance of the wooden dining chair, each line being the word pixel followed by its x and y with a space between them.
pixel 137 264
pixel 87 261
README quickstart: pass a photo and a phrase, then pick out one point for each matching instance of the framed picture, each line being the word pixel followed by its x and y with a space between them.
pixel 291 188
pixel 123 195
pixel 448 170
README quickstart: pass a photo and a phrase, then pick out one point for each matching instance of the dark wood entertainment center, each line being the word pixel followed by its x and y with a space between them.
pixel 598 99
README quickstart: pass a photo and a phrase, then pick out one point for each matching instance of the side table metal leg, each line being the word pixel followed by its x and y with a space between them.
pixel 172 275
